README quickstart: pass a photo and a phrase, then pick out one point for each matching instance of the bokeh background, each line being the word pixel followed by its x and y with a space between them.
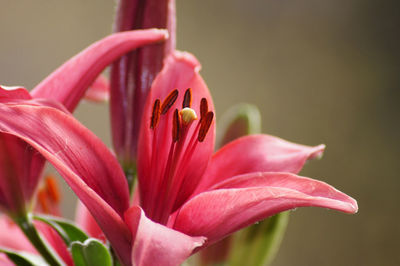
pixel 320 72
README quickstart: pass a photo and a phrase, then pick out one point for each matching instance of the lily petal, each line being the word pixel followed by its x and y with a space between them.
pixel 12 237
pixel 86 221
pixel 55 241
pixel 83 161
pixel 156 244
pixel 257 153
pixel 68 83
pixel 180 72
pixel 7 93
pixel 17 184
pixel 99 91
pixel 4 261
pixel 247 199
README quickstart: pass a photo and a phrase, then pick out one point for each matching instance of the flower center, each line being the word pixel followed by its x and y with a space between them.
pixel 169 178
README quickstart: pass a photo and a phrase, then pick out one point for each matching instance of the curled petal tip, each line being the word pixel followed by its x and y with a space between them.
pixel 187 58
pixel 318 152
pixel 353 206
pixel 161 32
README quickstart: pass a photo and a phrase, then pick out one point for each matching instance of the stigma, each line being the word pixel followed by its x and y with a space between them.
pixel 188 115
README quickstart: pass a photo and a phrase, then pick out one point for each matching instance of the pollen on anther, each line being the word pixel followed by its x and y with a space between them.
pixel 169 101
pixel 155 115
pixel 203 107
pixel 188 115
pixel 176 126
pixel 187 99
pixel 205 126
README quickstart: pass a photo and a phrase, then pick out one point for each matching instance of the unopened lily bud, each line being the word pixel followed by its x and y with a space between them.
pixel 240 120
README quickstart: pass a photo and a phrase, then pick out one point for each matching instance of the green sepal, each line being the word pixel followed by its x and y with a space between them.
pixel 91 252
pixel 23 258
pixel 240 120
pixel 258 244
pixel 68 231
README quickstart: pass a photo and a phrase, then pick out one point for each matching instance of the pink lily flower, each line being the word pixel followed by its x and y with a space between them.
pixel 20 166
pixel 184 186
pixel 188 194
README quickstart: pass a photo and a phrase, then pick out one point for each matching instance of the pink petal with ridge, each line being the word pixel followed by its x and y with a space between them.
pixel 257 153
pixel 69 82
pixel 246 199
pixel 156 244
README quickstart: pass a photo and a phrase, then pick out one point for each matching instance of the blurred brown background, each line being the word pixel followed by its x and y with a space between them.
pixel 320 72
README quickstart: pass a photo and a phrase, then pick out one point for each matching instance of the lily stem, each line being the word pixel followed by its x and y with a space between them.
pixel 25 223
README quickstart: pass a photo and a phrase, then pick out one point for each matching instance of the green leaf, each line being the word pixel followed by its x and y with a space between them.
pixel 68 231
pixel 23 258
pixel 91 252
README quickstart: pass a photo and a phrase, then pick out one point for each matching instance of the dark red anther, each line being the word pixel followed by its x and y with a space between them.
pixel 155 115
pixel 205 126
pixel 169 101
pixel 203 108
pixel 187 99
pixel 176 126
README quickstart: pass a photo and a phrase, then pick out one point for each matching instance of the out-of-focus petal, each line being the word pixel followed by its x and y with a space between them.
pixel 99 91
pixel 249 198
pixel 180 72
pixel 55 241
pixel 86 221
pixel 12 237
pixel 4 261
pixel 20 168
pixel 257 153
pixel 132 75
pixel 155 244
pixel 69 82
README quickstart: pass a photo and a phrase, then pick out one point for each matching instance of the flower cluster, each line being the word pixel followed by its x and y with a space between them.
pixel 164 194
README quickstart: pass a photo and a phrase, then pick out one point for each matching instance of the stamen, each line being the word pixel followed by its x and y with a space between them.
pixel 42 198
pixel 203 108
pixel 169 101
pixel 176 126
pixel 155 115
pixel 205 126
pixel 187 99
pixel 188 115
pixel 52 189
